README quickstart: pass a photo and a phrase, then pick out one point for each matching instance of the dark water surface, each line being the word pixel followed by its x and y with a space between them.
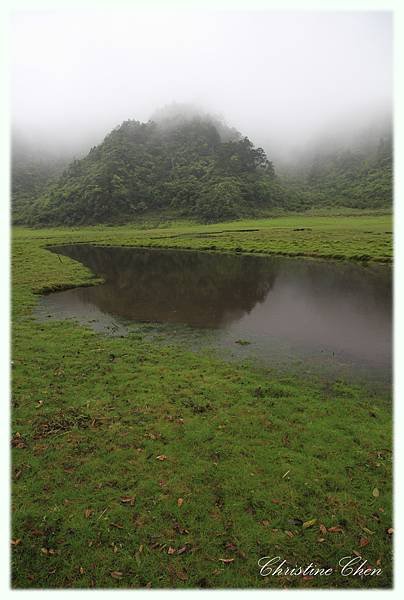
pixel 266 306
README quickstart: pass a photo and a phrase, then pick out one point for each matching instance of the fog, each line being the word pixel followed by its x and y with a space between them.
pixel 285 79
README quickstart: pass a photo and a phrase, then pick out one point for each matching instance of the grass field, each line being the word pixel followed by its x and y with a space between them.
pixel 137 464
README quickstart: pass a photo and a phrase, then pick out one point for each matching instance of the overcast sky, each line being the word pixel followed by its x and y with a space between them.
pixel 284 76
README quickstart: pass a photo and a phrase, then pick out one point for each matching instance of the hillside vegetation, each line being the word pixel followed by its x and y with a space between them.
pixel 194 167
pixel 188 168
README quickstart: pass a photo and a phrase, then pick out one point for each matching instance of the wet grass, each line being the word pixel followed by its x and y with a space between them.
pixel 139 464
pixel 341 237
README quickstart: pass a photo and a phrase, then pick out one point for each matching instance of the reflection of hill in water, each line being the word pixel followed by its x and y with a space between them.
pixel 214 290
pixel 204 290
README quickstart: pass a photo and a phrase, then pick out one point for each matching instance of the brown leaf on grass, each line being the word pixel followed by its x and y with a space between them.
pixel 171 550
pixel 226 560
pixel 117 574
pixel 180 502
pixel 336 529
pixel 265 523
pixel 183 549
pixel 37 532
pixel 81 571
pixel 231 546
pixel 181 575
pixel 17 474
pixel 323 529
pixel 161 457
pixel 320 540
pixel 274 501
pixel 16 542
pixel 390 531
pixel 363 542
pixel 128 500
pixel 88 512
pixel 376 493
pixel 48 551
pixel 17 441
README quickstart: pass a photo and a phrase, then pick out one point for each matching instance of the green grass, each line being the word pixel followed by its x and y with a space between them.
pixel 248 450
pixel 352 237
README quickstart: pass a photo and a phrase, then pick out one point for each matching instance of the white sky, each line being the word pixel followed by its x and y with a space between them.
pixel 282 76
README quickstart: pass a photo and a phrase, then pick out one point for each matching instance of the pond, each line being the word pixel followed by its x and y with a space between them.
pixel 270 308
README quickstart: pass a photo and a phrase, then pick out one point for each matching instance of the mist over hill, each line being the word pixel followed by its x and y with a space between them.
pixel 185 162
pixel 182 163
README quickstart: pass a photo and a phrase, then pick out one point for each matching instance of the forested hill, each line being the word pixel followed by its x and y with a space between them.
pixel 360 177
pixel 33 169
pixel 194 167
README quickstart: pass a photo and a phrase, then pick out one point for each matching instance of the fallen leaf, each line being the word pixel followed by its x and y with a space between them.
pixel 363 542
pixel 376 493
pixel 323 529
pixel 310 523
pixel 116 574
pixel 171 550
pixel 182 575
pixel 88 512
pixel 390 531
pixel 82 571
pixel 335 530
pixel 226 560
pixel 37 532
pixel 15 542
pixel 161 457
pixel 231 546
pixel 128 500
pixel 265 523
pixel 48 551
pixel 180 502
pixel 321 539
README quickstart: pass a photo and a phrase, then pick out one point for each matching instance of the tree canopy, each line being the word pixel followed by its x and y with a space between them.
pixel 186 168
pixel 193 167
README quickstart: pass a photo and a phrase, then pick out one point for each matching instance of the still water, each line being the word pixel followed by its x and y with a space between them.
pixel 270 306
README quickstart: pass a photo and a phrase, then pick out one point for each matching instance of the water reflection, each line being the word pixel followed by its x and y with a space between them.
pixel 343 307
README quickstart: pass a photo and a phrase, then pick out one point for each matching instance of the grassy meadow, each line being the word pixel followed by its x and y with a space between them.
pixel 136 464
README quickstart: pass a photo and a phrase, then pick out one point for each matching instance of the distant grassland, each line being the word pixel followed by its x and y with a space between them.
pixel 140 464
pixel 341 237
